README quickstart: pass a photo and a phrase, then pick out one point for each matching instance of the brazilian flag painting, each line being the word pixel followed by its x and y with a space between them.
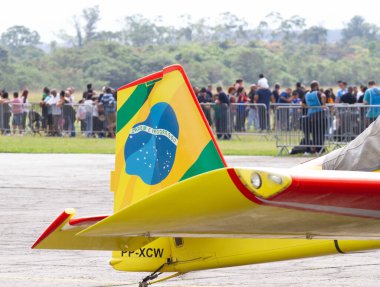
pixel 162 136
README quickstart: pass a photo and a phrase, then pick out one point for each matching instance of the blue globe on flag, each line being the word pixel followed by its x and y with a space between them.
pixel 152 144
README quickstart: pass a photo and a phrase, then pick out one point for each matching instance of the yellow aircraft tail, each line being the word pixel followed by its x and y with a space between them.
pixel 162 136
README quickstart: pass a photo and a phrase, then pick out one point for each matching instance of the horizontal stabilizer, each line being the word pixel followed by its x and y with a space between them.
pixel 284 204
pixel 62 234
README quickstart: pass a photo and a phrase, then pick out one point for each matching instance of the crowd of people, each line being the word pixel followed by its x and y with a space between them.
pixel 239 110
pixel 227 111
pixel 58 111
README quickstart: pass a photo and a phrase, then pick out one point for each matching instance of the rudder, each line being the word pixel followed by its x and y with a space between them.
pixel 162 136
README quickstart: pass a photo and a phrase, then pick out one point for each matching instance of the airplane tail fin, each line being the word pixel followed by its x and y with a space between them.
pixel 162 136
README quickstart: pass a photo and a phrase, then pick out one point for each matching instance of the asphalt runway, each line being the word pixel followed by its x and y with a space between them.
pixel 36 188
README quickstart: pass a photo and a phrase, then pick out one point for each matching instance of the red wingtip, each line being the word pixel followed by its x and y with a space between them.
pixel 53 226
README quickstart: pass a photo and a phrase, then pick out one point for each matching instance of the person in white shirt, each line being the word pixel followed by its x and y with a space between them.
pixel 89 105
pixel 55 111
pixel 263 82
pixel 25 106
pixel 71 91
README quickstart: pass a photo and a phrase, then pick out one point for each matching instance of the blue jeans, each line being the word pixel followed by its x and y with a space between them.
pixel 88 121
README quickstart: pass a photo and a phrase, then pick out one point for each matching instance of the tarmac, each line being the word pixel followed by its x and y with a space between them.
pixel 36 188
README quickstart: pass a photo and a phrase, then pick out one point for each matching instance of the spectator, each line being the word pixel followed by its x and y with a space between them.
pixel 253 116
pixel 363 89
pixel 264 96
pixel 102 115
pixel 114 93
pixel 372 97
pixel 263 82
pixel 204 101
pixel 81 115
pixel 348 98
pixel 6 113
pixel 295 113
pixel 221 116
pixel 25 107
pixel 56 112
pixel 346 118
pixel 341 91
pixel 242 101
pixel 300 91
pixel 60 104
pixel 88 105
pixel 296 100
pixel 285 96
pixel 355 93
pixel 89 90
pixel 231 94
pixel 232 98
pixel 70 96
pixel 276 92
pixel 238 84
pixel 329 96
pixel 283 115
pixel 362 111
pixel 44 119
pixel 209 93
pixel 68 113
pixel 360 93
pixel 97 118
pixel 17 110
pixel 109 105
pixel 196 91
pixel 316 119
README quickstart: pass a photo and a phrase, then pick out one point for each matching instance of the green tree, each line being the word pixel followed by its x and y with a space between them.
pixel 289 28
pixel 84 33
pixel 262 30
pixel 138 31
pixel 91 17
pixel 232 28
pixel 20 36
pixel 358 28
pixel 78 39
pixel 316 35
pixel 4 56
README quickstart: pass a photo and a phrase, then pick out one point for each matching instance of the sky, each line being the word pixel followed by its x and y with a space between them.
pixel 49 17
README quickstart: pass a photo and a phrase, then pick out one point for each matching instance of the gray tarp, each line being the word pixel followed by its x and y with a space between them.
pixel 361 154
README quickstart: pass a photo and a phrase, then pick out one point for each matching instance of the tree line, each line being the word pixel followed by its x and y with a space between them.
pixel 284 49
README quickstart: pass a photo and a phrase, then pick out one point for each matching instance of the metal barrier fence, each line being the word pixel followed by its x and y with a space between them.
pixel 89 120
pixel 234 119
pixel 315 129
pixel 296 129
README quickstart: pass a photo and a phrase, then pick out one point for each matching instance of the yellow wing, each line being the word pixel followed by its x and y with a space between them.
pixel 256 203
pixel 61 234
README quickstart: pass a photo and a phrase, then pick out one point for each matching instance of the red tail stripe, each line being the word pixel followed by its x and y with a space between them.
pixel 77 221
